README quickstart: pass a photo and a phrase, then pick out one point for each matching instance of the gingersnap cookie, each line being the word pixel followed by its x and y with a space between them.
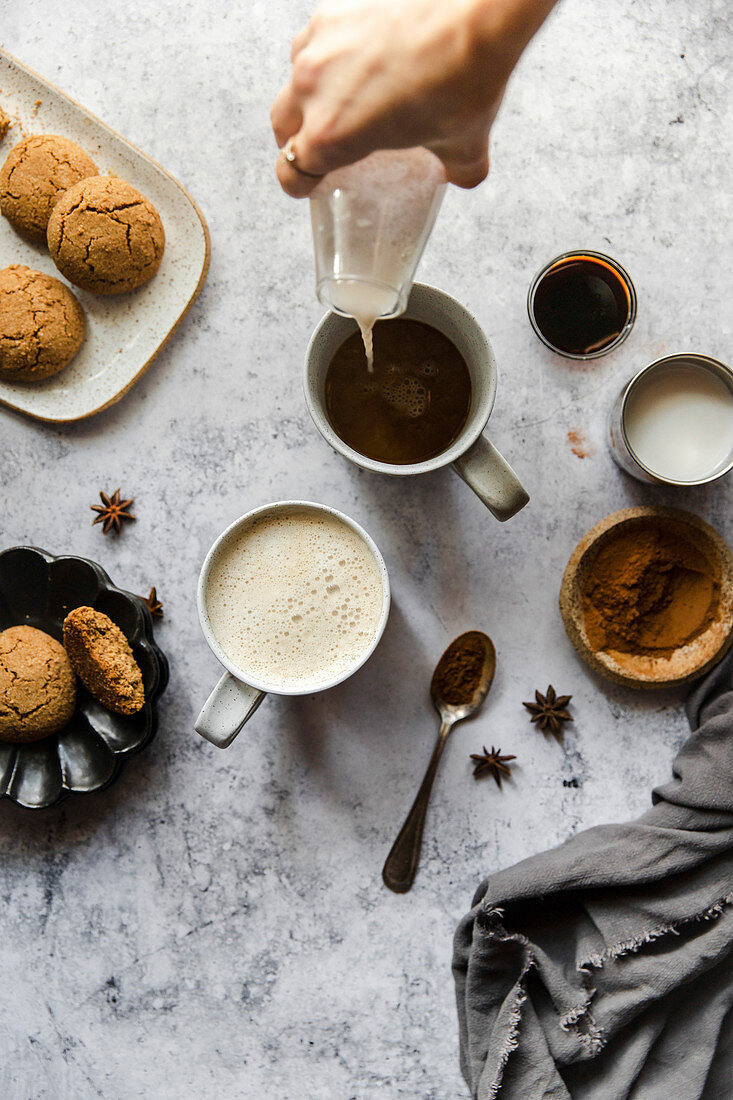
pixel 5 124
pixel 37 685
pixel 102 659
pixel 41 325
pixel 105 236
pixel 36 171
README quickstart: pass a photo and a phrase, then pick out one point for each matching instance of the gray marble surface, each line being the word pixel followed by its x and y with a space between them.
pixel 215 924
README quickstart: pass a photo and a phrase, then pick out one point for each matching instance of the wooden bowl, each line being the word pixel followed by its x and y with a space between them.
pixel 690 660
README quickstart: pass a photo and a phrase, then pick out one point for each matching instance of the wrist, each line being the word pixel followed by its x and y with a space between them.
pixel 500 29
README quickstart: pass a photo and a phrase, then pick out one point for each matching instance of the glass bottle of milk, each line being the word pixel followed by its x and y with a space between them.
pixel 370 223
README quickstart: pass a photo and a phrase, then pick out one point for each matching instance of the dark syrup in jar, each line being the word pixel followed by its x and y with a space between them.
pixel 581 305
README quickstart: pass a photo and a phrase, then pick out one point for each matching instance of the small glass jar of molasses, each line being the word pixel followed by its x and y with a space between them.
pixel 582 304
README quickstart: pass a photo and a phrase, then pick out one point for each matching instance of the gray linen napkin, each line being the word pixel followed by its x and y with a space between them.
pixel 603 969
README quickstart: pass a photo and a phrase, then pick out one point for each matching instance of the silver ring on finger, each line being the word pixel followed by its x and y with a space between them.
pixel 288 154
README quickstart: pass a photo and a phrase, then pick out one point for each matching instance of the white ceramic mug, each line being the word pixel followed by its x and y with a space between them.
pixel 238 694
pixel 472 456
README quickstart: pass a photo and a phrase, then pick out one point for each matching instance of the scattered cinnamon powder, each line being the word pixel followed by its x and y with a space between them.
pixel 578 443
pixel 649 591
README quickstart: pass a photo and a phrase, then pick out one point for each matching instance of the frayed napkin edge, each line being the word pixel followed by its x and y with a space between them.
pixel 510 1042
pixel 581 1013
pixel 580 1017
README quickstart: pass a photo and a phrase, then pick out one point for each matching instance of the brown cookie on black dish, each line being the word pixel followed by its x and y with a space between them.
pixel 37 685
pixel 102 659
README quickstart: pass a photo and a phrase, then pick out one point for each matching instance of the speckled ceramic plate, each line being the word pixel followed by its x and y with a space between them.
pixel 38 589
pixel 124 332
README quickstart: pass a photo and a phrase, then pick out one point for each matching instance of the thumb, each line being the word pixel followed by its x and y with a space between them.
pixel 466 164
pixel 467 173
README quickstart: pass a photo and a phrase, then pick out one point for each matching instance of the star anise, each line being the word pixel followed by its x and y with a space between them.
pixel 491 763
pixel 112 511
pixel 549 710
pixel 154 604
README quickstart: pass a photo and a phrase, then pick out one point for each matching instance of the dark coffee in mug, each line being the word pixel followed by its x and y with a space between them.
pixel 411 406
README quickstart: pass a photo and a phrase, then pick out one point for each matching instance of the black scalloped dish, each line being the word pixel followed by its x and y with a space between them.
pixel 38 589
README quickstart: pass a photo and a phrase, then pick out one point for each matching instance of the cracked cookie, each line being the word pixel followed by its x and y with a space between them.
pixel 5 124
pixel 102 659
pixel 41 325
pixel 37 685
pixel 37 170
pixel 105 236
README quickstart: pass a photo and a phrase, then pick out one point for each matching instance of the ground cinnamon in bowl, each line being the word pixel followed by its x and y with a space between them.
pixel 649 591
pixel 647 597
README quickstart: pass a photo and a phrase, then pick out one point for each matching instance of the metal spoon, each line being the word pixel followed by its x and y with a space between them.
pixel 401 863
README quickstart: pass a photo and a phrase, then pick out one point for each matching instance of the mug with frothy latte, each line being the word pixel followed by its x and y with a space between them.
pixel 293 598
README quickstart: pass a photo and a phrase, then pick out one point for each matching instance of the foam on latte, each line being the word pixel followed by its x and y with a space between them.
pixel 294 598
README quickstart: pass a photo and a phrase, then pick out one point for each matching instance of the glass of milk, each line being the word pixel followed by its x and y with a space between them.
pixel 370 223
pixel 672 423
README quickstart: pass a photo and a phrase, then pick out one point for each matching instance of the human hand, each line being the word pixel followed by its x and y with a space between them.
pixel 382 74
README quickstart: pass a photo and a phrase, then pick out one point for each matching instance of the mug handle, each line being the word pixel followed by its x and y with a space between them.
pixel 492 479
pixel 230 705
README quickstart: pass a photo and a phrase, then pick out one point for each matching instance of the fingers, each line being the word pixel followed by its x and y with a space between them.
pixel 293 182
pixel 300 41
pixel 287 119
pixel 285 115
pixel 303 37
